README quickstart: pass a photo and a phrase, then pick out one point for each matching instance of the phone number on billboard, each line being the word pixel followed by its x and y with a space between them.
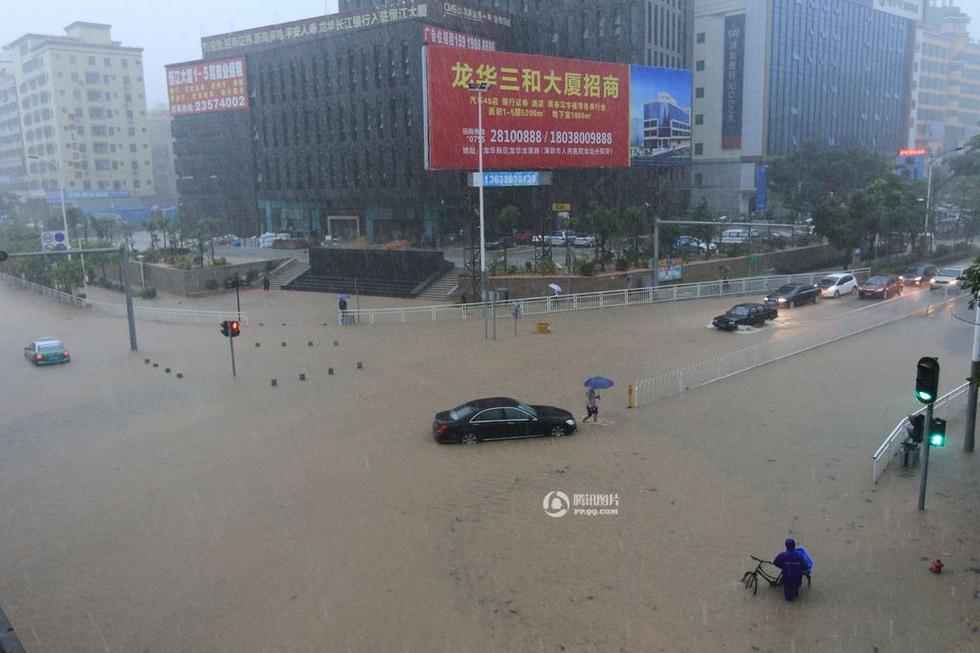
pixel 555 137
pixel 235 102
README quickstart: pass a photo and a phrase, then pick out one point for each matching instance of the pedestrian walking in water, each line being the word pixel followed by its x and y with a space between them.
pixel 592 405
pixel 266 282
pixel 792 565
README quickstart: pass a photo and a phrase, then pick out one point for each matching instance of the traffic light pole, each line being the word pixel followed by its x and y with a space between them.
pixel 971 402
pixel 925 457
pixel 124 271
pixel 231 343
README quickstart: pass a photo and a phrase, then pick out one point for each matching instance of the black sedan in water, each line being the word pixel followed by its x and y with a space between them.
pixel 745 315
pixel 793 294
pixel 500 418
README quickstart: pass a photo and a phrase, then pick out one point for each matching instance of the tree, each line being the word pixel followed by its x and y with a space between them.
pixel 605 223
pixel 204 235
pixel 701 213
pixel 67 274
pixel 635 223
pixel 812 174
pixel 509 218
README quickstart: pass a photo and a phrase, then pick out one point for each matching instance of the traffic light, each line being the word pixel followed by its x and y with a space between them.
pixel 927 379
pixel 235 328
pixel 937 432
pixel 3 256
pixel 226 328
pixel 916 427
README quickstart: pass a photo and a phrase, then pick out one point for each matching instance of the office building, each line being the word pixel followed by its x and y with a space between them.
pixel 13 165
pixel 946 110
pixel 83 114
pixel 162 156
pixel 331 137
pixel 772 76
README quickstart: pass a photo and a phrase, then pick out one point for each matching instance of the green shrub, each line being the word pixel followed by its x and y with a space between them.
pixel 211 284
pixel 251 276
pixel 148 293
pixel 546 266
pixel 622 264
pixel 587 269
pixel 529 266
pixel 221 260
pixel 185 262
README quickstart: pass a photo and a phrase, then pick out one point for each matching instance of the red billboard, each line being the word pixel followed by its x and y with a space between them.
pixel 207 86
pixel 540 112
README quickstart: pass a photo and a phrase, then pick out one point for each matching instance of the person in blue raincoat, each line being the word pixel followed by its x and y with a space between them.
pixel 792 565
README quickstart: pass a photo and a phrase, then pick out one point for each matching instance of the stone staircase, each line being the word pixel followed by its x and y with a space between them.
pixel 287 273
pixel 439 289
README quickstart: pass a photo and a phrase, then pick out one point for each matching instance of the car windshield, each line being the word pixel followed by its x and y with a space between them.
pixel 740 310
pixel 876 281
pixel 50 347
pixel 827 282
pixel 914 272
pixel 785 290
pixel 527 409
pixel 951 272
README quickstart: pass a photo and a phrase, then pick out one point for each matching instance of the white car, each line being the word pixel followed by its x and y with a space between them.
pixel 837 284
pixel 948 277
pixel 584 241
pixel 559 238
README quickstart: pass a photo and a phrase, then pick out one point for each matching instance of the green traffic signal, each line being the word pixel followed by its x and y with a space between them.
pixel 937 432
pixel 926 379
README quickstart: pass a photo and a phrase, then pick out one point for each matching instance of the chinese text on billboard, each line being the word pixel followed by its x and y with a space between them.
pixel 206 87
pixel 731 119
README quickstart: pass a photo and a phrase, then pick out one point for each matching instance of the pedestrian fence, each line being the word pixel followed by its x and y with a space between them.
pixel 782 344
pixel 893 443
pixel 584 301
pixel 157 314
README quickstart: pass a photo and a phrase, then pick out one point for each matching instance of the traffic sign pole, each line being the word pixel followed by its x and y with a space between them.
pixel 231 343
pixel 925 458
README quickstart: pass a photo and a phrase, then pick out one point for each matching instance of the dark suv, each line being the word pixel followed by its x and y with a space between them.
pixel 919 275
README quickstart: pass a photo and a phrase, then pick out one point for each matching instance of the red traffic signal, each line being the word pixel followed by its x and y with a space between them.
pixel 235 328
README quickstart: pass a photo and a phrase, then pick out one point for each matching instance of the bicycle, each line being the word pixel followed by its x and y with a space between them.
pixel 774 578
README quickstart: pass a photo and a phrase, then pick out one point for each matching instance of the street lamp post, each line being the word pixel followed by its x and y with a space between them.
pixel 142 276
pixel 480 88
pixel 932 162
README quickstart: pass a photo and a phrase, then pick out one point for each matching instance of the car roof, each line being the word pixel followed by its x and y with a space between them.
pixel 836 275
pixel 491 402
pixel 748 304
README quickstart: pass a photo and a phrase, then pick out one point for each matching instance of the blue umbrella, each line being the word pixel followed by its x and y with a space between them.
pixel 599 382
pixel 343 296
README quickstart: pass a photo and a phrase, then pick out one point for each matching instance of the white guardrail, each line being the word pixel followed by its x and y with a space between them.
pixel 777 348
pixel 586 301
pixel 157 314
pixel 892 444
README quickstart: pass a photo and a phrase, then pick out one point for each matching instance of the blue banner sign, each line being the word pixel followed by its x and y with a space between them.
pixel 501 179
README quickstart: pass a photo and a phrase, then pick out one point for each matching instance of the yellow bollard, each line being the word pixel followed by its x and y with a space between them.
pixel 629 396
pixel 544 327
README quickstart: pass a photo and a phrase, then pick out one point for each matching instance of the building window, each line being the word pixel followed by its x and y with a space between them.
pixel 699 38
pixel 698 65
pixel 107 62
pixel 698 179
pixel 699 92
pixel 698 120
pixel 699 148
pixel 91 61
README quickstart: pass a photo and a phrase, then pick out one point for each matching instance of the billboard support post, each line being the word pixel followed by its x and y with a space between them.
pixel 479 88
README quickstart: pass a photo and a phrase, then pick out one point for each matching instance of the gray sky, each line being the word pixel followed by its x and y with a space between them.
pixel 168 31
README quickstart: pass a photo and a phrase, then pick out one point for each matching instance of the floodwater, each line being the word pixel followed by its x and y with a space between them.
pixel 142 512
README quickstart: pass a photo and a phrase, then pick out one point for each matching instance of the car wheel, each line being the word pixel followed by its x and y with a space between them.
pixel 557 431
pixel 816 298
pixel 791 304
pixel 836 294
pixel 469 438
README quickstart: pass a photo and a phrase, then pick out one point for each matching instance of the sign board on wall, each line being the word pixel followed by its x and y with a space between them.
pixel 432 35
pixel 207 87
pixel 455 14
pixel 550 112
pixel 731 103
pixel 912 9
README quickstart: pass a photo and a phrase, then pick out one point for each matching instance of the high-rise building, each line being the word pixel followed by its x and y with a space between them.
pixel 330 136
pixel 13 165
pixel 946 110
pixel 162 155
pixel 83 114
pixel 771 76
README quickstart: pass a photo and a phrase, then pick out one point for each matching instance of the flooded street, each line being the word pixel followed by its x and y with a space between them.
pixel 145 512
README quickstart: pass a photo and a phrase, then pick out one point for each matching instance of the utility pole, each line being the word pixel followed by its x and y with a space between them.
pixel 925 457
pixel 971 402
pixel 231 343
pixel 130 314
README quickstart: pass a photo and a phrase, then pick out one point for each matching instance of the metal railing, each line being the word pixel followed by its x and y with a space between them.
pixel 777 348
pixel 157 314
pixel 892 444
pixel 586 301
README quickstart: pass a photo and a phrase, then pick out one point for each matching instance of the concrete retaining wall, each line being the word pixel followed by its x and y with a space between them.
pixel 188 283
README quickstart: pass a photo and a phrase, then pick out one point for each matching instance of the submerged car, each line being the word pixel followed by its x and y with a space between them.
pixel 750 314
pixel 47 351
pixel 883 286
pixel 948 278
pixel 837 284
pixel 500 418
pixel 793 294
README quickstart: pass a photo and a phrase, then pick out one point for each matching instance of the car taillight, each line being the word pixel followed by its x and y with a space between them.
pixel 66 354
pixel 441 428
pixel 38 357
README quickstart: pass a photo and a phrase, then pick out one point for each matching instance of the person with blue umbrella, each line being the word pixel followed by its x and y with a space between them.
pixel 593 384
